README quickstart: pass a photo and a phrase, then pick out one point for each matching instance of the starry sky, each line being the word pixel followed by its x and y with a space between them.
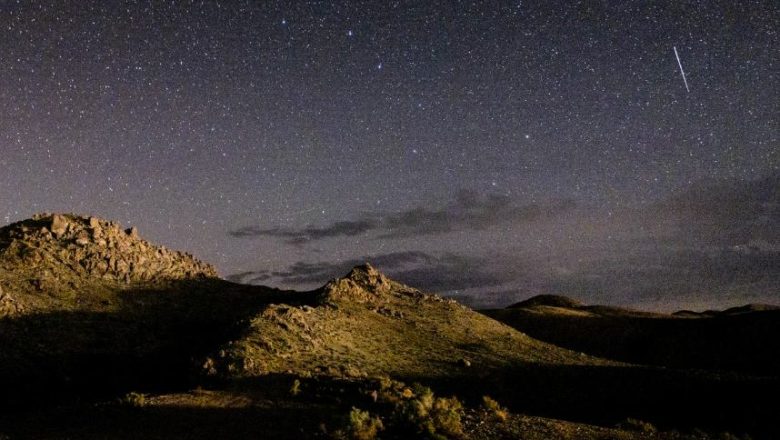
pixel 487 150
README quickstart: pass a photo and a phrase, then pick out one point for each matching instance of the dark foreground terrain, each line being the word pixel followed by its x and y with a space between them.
pixel 104 335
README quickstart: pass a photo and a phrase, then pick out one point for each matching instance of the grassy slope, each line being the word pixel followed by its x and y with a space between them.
pixel 367 325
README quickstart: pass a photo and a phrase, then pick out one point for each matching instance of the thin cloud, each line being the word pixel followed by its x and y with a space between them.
pixel 434 273
pixel 716 243
pixel 300 236
pixel 468 211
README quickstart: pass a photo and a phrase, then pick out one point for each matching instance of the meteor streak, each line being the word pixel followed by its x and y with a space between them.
pixel 681 69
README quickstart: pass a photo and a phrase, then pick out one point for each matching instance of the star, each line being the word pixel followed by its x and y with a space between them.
pixel 233 117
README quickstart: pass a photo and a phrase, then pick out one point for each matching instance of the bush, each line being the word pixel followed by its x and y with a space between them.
pixel 295 389
pixel 430 416
pixel 494 409
pixel 136 400
pixel 360 425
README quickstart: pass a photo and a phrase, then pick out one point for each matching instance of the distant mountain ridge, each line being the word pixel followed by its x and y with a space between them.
pixel 734 339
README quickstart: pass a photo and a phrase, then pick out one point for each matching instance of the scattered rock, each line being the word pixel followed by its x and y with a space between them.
pixel 388 312
pixel 8 305
pixel 59 225
pixel 82 239
pixel 36 282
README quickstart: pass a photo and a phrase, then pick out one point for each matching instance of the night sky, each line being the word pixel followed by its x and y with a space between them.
pixel 488 150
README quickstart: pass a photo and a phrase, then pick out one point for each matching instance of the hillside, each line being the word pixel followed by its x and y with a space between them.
pixel 105 335
pixel 87 308
pixel 366 325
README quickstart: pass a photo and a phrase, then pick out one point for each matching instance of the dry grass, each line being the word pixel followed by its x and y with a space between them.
pixel 362 331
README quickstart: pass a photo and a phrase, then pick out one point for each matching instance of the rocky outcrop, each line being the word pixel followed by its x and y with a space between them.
pixel 365 284
pixel 60 244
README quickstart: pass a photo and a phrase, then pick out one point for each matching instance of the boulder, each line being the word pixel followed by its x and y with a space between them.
pixel 59 225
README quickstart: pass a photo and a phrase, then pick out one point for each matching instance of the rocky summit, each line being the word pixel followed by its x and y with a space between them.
pixel 59 253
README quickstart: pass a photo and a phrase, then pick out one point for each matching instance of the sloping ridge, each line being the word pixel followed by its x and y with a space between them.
pixel 366 324
pixel 547 300
pixel 559 304
pixel 739 310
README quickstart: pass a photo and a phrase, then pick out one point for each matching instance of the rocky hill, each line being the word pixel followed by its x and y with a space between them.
pixel 61 260
pixel 365 324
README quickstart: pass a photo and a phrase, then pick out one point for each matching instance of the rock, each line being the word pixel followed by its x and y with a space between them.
pixel 8 306
pixel 82 239
pixel 45 234
pixel 132 232
pixel 94 223
pixel 59 225
pixel 210 367
pixel 463 362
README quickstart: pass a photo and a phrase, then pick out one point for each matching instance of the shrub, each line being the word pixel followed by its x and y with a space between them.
pixel 494 409
pixel 430 416
pixel 137 400
pixel 295 389
pixel 360 425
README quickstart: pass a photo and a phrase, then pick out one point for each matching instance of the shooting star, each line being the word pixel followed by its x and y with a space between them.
pixel 681 69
